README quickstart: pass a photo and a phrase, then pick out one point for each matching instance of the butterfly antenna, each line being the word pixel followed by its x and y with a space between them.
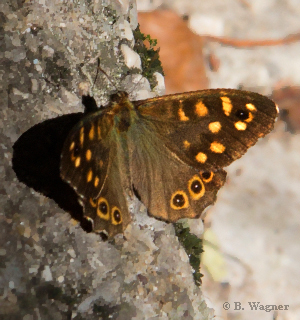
pixel 107 76
pixel 109 79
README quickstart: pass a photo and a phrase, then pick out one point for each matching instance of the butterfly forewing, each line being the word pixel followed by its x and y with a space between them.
pixel 211 128
pixel 84 160
pixel 95 164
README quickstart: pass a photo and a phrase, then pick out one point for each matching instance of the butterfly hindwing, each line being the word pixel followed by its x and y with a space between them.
pixel 109 209
pixel 170 188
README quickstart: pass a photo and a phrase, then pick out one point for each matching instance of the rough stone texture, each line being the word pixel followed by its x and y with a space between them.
pixel 50 268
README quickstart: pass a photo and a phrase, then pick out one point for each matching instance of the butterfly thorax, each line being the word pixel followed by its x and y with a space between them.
pixel 121 112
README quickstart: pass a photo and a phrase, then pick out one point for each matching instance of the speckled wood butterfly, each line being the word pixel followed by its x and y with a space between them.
pixel 169 150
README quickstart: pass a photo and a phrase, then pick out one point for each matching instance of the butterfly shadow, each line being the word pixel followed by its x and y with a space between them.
pixel 36 162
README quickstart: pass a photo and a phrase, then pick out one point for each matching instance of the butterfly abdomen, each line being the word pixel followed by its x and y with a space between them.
pixel 122 120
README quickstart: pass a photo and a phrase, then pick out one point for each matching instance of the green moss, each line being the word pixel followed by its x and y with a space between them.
pixel 149 55
pixel 193 246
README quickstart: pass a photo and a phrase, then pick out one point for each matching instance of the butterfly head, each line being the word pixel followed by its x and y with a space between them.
pixel 118 97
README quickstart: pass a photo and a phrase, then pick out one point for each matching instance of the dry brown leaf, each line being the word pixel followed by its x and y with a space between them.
pixel 288 101
pixel 180 50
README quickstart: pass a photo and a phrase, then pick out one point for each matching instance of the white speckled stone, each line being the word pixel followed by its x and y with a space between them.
pixel 160 88
pixel 132 59
pixel 126 31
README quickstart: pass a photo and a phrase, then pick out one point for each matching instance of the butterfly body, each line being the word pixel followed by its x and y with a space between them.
pixel 169 150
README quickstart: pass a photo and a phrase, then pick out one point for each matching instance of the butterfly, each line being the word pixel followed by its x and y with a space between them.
pixel 169 151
